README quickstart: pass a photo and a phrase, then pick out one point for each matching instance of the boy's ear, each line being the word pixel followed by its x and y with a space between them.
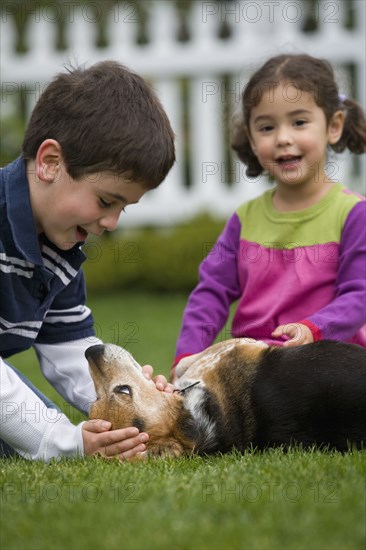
pixel 48 160
pixel 335 127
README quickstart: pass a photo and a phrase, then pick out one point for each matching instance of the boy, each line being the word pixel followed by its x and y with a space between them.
pixel 97 140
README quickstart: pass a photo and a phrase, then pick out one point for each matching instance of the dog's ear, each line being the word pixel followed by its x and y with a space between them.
pixel 166 448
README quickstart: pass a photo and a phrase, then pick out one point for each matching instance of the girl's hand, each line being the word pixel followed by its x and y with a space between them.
pixel 299 334
pixel 160 381
pixel 126 443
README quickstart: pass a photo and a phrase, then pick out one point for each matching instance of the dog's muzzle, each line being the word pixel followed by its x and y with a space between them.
pixel 94 352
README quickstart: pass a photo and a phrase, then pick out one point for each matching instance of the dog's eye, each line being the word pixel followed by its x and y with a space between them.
pixel 123 389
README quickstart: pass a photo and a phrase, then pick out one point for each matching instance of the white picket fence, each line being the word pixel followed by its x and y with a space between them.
pixel 215 71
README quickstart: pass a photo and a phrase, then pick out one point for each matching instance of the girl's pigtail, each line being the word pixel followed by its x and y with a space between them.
pixel 354 132
pixel 241 145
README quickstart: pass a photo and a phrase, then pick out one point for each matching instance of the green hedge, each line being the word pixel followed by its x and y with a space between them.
pixel 161 260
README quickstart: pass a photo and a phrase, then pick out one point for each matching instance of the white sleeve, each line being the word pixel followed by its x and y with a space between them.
pixel 65 367
pixel 29 427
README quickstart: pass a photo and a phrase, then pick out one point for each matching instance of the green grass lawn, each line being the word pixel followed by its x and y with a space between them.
pixel 272 500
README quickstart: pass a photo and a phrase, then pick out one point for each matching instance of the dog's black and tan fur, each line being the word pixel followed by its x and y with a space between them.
pixel 248 395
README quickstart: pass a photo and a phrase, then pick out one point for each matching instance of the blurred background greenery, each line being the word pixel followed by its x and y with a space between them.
pixel 150 259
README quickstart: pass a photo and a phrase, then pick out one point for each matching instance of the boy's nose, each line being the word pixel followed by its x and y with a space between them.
pixel 109 222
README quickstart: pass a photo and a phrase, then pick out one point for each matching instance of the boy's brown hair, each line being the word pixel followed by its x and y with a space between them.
pixel 106 118
pixel 308 74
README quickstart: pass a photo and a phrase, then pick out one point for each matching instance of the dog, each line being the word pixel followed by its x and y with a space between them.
pixel 239 394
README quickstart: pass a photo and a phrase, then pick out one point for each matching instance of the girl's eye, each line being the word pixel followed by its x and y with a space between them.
pixel 265 129
pixel 300 122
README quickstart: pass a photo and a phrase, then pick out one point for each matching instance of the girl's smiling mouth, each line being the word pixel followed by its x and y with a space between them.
pixel 288 161
pixel 288 158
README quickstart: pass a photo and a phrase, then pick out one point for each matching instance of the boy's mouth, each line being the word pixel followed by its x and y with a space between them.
pixel 81 233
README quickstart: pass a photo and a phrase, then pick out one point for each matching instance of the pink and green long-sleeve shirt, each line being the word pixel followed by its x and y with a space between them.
pixel 306 267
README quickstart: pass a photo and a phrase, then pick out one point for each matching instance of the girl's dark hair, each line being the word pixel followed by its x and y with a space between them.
pixel 106 118
pixel 308 74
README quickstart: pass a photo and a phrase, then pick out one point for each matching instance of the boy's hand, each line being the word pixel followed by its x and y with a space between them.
pixel 299 334
pixel 160 381
pixel 126 443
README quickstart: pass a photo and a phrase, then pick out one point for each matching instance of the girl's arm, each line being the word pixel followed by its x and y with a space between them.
pixel 208 306
pixel 346 314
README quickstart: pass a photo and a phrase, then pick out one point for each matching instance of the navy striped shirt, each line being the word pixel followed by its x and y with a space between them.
pixel 42 288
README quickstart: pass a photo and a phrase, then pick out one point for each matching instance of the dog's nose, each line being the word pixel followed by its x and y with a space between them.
pixel 94 351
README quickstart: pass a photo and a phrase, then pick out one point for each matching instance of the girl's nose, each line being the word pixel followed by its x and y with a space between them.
pixel 284 136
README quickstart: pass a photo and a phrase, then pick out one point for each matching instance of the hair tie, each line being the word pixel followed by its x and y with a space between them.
pixel 342 98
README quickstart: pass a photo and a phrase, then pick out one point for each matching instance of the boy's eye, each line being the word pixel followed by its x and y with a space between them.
pixel 300 122
pixel 104 203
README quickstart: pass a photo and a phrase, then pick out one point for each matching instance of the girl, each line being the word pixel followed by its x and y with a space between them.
pixel 294 258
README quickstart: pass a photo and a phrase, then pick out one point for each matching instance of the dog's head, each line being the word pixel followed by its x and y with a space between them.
pixel 126 398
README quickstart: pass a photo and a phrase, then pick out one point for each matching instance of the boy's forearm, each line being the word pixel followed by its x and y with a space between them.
pixel 65 367
pixel 32 429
